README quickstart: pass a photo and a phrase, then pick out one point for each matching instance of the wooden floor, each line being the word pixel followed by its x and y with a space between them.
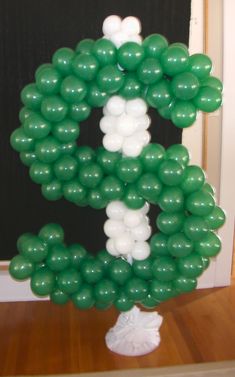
pixel 41 338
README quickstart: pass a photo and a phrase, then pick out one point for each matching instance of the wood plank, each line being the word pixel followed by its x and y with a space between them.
pixel 42 338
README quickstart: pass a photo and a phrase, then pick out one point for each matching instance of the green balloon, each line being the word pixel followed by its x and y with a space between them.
pixel 164 268
pixel 123 304
pixel 85 66
pixel 149 187
pixel 20 267
pixel 130 55
pixel 52 191
pixel 209 188
pixel 65 168
pixel 193 180
pixel 52 234
pixel 183 114
pixel 179 153
pixel 20 141
pixel 85 46
pixel 105 258
pixel 206 262
pixel 54 109
pixel 129 169
pixel 215 219
pixel 185 86
pixel 62 60
pixel 66 131
pixel 161 290
pixel 209 246
pixel 92 270
pixel 159 94
pixel 84 155
pixel 131 87
pixel 136 289
pixel 31 97
pixel 77 255
pixel 174 60
pixel 96 97
pixel 105 51
pixel 107 160
pixel 171 173
pixel 190 266
pixel 195 228
pixel 40 172
pixel 36 127
pixel 25 113
pixel 96 199
pixel 132 198
pixel 143 268
pixel 200 203
pixel 21 240
pixel 48 81
pixel 171 199
pixel 110 79
pixel 151 157
pixel 208 99
pixel 58 297
pixel 158 245
pixel 184 285
pixel 112 188
pixel 200 65
pixel 149 302
pixel 58 258
pixel 42 67
pixel 154 45
pixel 43 282
pixel 74 191
pixel 170 223
pixel 73 89
pixel 165 111
pixel 119 271
pixel 69 281
pixel 106 291
pixel 179 44
pixel 213 82
pixel 79 111
pixel 83 299
pixel 149 71
pixel 90 175
pixel 179 245
pixel 47 150
pixel 68 148
pixel 34 249
pixel 102 305
pixel 28 158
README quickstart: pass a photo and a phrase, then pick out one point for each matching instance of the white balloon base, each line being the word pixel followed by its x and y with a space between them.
pixel 135 333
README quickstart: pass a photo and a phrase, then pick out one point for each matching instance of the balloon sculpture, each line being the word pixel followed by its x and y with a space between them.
pixel 124 75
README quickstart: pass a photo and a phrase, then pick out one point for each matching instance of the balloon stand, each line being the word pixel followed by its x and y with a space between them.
pixel 135 333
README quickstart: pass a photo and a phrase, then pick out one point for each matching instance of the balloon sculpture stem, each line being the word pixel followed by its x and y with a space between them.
pixel 135 333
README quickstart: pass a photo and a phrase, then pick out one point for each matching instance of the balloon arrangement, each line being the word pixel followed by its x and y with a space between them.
pixel 124 75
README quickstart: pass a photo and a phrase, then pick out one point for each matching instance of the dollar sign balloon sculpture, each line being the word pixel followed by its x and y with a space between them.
pixel 124 75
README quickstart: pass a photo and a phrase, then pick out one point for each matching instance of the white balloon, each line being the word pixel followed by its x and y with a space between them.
pixel 126 125
pixel 132 218
pixel 124 243
pixel 112 142
pixel 116 105
pixel 141 250
pixel 108 124
pixel 105 111
pixel 143 122
pixel 113 228
pixel 119 38
pixel 110 247
pixel 143 136
pixel 141 232
pixel 111 25
pixel 116 210
pixel 145 208
pixel 135 38
pixel 136 107
pixel 131 25
pixel 132 146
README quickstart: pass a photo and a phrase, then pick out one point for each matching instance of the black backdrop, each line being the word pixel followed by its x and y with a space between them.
pixel 30 31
